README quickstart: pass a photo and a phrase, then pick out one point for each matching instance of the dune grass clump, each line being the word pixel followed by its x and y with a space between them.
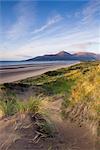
pixel 31 106
pixel 83 105
pixel 8 104
pixel 34 104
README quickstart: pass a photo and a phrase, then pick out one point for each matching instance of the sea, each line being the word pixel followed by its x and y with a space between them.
pixel 14 63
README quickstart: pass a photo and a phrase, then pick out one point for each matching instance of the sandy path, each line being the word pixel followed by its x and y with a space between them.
pixel 70 136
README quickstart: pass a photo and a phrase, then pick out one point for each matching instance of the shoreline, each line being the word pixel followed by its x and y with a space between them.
pixel 20 72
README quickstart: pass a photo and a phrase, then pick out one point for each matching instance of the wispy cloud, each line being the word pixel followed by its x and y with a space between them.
pixel 85 45
pixel 90 11
pixel 73 40
pixel 25 17
pixel 50 22
pixel 24 56
pixel 70 41
pixel 72 32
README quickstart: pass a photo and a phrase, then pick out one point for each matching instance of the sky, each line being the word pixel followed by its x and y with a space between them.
pixel 29 28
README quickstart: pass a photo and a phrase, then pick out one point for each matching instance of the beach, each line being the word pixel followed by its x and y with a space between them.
pixel 51 108
pixel 18 72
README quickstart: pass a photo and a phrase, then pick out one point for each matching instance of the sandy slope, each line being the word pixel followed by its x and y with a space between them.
pixel 70 135
pixel 17 133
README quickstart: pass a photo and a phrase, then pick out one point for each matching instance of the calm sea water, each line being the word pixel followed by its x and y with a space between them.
pixel 11 63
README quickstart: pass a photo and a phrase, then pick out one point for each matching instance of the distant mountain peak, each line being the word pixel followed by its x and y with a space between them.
pixel 62 53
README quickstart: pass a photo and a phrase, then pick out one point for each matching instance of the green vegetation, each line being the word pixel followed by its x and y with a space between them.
pixel 34 105
pixel 78 85
pixel 59 82
pixel 10 105
pixel 83 104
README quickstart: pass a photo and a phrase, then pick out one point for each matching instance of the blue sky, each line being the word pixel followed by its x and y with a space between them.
pixel 29 28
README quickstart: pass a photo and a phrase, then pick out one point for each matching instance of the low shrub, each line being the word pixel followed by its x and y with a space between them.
pixel 8 104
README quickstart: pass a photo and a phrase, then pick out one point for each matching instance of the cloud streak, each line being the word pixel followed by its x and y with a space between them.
pixel 74 32
pixel 50 22
pixel 25 18
pixel 89 12
pixel 75 41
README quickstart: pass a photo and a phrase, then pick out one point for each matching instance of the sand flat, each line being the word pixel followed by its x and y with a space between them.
pixel 14 73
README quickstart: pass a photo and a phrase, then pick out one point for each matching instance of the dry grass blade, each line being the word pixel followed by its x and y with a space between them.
pixel 11 139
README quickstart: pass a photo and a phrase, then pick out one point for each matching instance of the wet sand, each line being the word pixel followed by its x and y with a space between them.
pixel 17 72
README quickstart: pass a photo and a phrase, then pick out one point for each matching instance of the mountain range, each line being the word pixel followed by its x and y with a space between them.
pixel 63 55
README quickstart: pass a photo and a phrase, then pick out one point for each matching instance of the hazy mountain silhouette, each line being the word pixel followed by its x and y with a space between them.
pixel 63 55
